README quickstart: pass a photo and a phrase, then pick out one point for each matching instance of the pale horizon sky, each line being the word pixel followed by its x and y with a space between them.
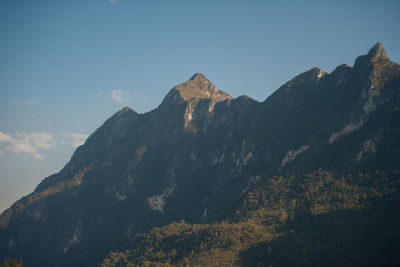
pixel 67 66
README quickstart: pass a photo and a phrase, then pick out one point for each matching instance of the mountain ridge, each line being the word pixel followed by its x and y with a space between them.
pixel 198 154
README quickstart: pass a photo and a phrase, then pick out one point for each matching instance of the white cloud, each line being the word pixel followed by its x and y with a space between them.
pixel 21 147
pixel 114 2
pixel 34 144
pixel 29 143
pixel 74 139
pixel 78 139
pixel 119 95
pixel 41 140
pixel 31 102
pixel 4 137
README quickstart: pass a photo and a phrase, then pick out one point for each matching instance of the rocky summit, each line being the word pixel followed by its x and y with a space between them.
pixel 310 176
pixel 200 87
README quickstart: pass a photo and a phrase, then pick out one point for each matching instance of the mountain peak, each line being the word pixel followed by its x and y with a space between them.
pixel 315 73
pixel 198 86
pixel 377 52
pixel 125 109
pixel 310 77
pixel 198 77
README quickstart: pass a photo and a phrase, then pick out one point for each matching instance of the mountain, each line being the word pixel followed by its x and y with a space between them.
pixel 205 176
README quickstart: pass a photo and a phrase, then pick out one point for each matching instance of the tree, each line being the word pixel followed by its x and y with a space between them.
pixel 12 263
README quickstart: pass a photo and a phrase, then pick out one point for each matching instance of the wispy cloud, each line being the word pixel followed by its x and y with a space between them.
pixel 78 139
pixel 114 2
pixel 28 143
pixel 31 102
pixel 119 95
pixel 74 139
pixel 4 138
pixel 35 144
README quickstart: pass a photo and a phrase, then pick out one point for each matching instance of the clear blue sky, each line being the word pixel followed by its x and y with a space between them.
pixel 66 66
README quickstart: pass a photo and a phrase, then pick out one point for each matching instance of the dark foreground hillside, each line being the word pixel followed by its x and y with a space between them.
pixel 316 219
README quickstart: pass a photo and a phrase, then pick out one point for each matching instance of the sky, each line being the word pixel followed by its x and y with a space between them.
pixel 67 66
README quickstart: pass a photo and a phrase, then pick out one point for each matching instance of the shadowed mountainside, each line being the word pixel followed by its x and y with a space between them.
pixel 199 155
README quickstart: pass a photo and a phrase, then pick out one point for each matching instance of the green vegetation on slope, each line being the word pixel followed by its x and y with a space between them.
pixel 316 219
pixel 12 263
pixel 20 205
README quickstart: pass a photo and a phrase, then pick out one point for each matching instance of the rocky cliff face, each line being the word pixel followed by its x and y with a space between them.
pixel 197 154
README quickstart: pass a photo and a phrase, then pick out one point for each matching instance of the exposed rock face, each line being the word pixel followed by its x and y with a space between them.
pixel 200 87
pixel 197 89
pixel 292 154
pixel 195 155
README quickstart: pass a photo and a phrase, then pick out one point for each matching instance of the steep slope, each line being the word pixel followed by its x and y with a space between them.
pixel 130 175
pixel 345 119
pixel 197 155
